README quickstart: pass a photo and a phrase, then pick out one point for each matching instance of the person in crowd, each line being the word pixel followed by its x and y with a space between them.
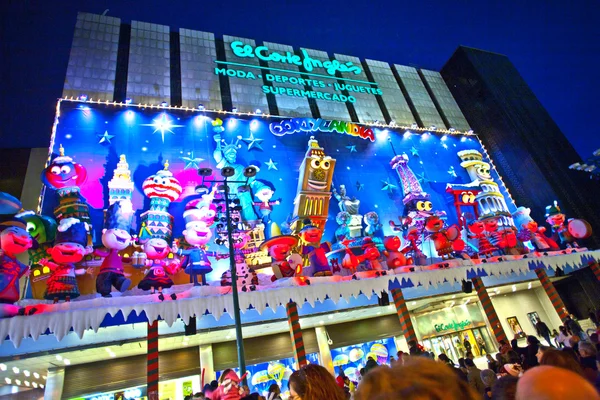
pixel 573 327
pixel 458 371
pixel 371 364
pixel 314 382
pixel 540 352
pixel 500 361
pixel 563 337
pixel 561 359
pixel 587 360
pixel 400 360
pixel 208 390
pixel 340 378
pixel 574 343
pixel 418 378
pixel 543 331
pixel 467 344
pixel 274 392
pixel 594 318
pixel 504 347
pixel 362 373
pixel 505 388
pixel 445 359
pixel 198 396
pixel 488 377
pixel 413 348
pixel 552 383
pixel 348 384
pixel 594 340
pixel 469 355
pixel 462 366
pixel 492 364
pixel 474 376
pixel 481 344
pixel 528 353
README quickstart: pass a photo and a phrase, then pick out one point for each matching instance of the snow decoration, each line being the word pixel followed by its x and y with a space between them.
pixel 90 311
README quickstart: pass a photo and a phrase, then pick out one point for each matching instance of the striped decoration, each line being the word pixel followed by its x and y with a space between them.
pixel 152 377
pixel 404 316
pixel 296 333
pixel 595 268
pixel 489 309
pixel 557 302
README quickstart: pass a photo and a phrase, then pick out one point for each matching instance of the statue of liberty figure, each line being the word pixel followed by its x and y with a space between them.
pixel 225 155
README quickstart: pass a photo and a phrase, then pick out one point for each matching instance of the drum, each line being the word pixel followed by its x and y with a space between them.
pixel 579 228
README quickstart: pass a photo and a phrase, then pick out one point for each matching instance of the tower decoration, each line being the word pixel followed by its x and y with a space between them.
pixel 162 188
pixel 416 201
pixel 314 187
pixel 490 201
pixel 120 187
pixel 66 177
pixel 349 205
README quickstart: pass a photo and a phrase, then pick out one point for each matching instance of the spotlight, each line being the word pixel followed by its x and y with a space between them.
pixel 234 109
pixel 433 128
pixel 414 125
pixel 17 382
pixel 250 171
pixel 83 97
pixel 36 375
pixel 470 131
pixel 205 171
pixel 26 373
pixel 392 123
pixel 3 367
pixel 164 104
pixel 258 111
pixel 227 172
pixel 452 130
pixel 7 380
pixel 407 134
pixel 15 370
pixel 128 100
pixel 201 107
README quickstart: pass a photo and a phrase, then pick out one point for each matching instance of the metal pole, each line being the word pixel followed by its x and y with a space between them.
pixel 236 303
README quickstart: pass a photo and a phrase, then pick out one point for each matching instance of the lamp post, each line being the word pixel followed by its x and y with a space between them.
pixel 228 172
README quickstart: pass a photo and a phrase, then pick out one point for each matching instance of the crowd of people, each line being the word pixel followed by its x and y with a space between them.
pixel 565 369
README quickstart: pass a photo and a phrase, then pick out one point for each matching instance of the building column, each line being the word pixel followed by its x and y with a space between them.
pixel 490 311
pixel 55 380
pixel 324 351
pixel 404 316
pixel 152 357
pixel 557 302
pixel 291 309
pixel 595 267
pixel 207 365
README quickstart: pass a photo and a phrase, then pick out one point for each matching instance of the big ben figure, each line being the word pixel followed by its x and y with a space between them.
pixel 314 187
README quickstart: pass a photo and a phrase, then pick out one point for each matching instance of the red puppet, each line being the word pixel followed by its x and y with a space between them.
pixel 284 265
pixel 477 231
pixel 395 258
pixel 445 240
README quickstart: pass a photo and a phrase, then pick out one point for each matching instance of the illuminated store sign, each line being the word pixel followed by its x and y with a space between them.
pixel 263 53
pixel 452 326
pixel 295 125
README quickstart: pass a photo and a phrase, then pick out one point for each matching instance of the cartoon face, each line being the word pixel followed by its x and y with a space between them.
pixel 434 224
pixel 556 219
pixel 371 218
pixel 424 205
pixel 318 172
pixel 67 252
pixel 230 153
pixel 392 243
pixel 491 224
pixel 116 238
pixel 467 197
pixel 477 227
pixel 197 233
pixel 15 240
pixel 343 218
pixel 279 251
pixel 265 194
pixel 371 253
pixel 156 249
pixel 311 235
pixel 162 185
pixel 64 174
pixel 36 230
pixel 483 172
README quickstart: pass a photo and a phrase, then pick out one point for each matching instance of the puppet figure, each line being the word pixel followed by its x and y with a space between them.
pixel 566 231
pixel 157 250
pixel 343 219
pixel 41 228
pixel 69 249
pixel 285 264
pixel 313 251
pixel 373 226
pixel 115 237
pixel 394 257
pixel 530 231
pixel 247 279
pixel 477 231
pixel 14 240
pixel 445 240
pixel 264 191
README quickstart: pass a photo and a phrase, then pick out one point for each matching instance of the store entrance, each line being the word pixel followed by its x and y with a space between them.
pixel 456 344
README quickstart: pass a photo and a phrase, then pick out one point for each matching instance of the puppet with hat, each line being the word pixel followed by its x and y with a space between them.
pixel 43 229
pixel 285 264
pixel 528 229
pixel 115 237
pixel 199 217
pixel 313 251
pixel 14 240
pixel 157 250
pixel 69 249
pixel 566 231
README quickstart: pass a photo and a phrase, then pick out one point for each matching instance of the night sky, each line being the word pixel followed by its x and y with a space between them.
pixel 553 44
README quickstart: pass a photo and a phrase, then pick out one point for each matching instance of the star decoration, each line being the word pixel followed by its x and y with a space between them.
pixel 105 138
pixel 388 186
pixel 351 148
pixel 271 164
pixel 452 172
pixel 445 146
pixel 421 178
pixel 163 125
pixel 359 186
pixel 191 161
pixel 414 151
pixel 252 142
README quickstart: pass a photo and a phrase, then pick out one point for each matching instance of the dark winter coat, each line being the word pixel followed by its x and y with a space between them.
pixel 527 353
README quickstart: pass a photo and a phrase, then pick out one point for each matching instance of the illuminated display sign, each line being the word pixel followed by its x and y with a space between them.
pixel 452 325
pixel 295 125
pixel 307 87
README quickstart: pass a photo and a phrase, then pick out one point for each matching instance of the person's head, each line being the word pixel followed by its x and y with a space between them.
pixel 469 355
pixel 587 349
pixel 443 357
pixel 469 363
pixel 499 358
pixel 489 357
pixel 562 329
pixel 540 352
pixel 214 384
pixel 208 390
pixel 594 338
pixel 412 343
pixel 461 362
pixel 505 388
pixel 561 359
pixel 420 378
pixel 550 383
pixel 488 377
pixel 502 342
pixel 513 357
pixel 532 340
pixel 314 382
